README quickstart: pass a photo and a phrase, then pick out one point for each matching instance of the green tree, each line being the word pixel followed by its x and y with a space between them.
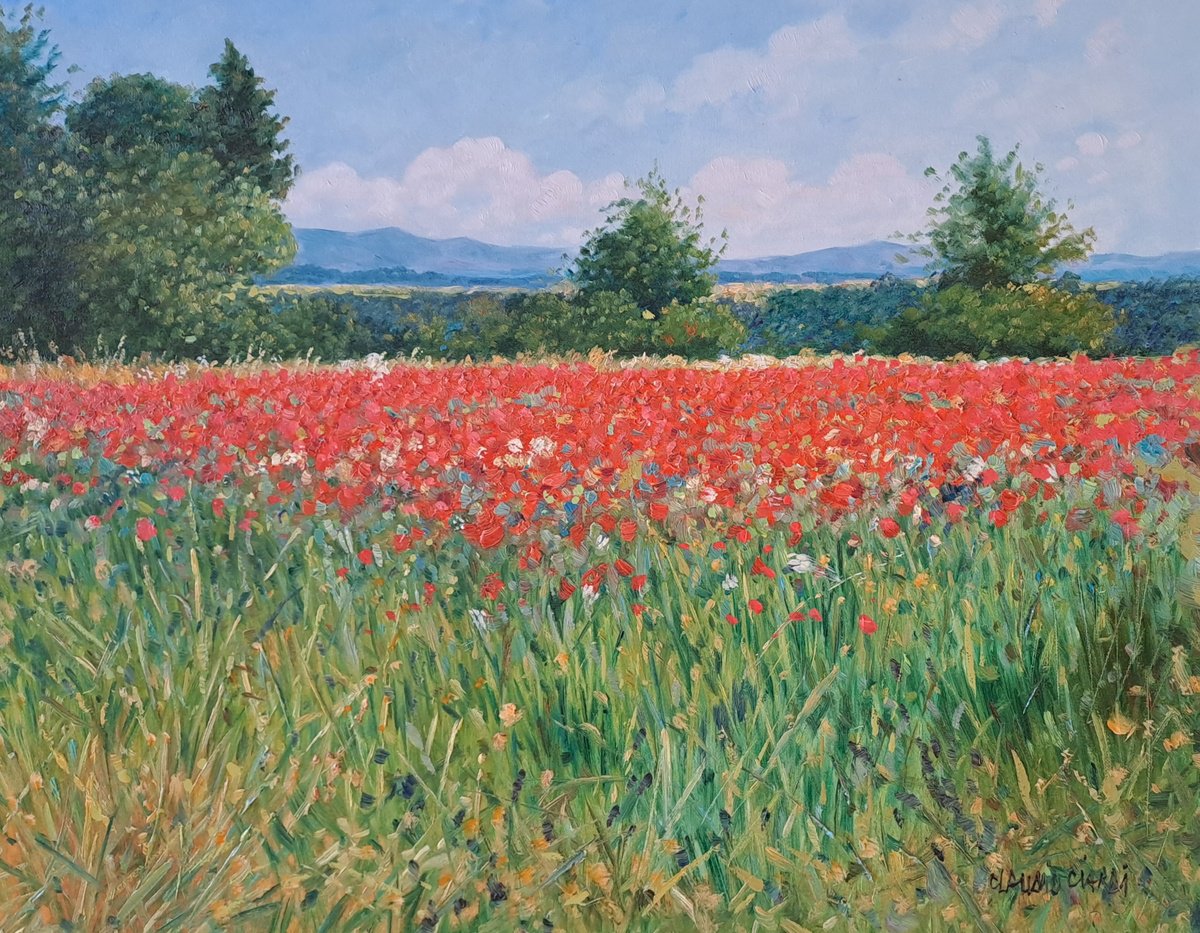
pixel 173 253
pixel 43 212
pixel 241 128
pixel 123 112
pixel 650 248
pixel 990 225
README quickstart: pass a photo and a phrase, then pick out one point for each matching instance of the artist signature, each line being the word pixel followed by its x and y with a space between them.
pixel 1078 877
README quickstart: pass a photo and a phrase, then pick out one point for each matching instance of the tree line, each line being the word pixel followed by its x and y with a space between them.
pixel 141 211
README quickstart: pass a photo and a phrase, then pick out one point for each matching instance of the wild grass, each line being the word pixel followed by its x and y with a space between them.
pixel 224 729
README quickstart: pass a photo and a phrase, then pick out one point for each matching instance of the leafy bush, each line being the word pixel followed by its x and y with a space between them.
pixel 1029 320
pixel 699 330
pixel 550 323
pixel 322 324
pixel 481 329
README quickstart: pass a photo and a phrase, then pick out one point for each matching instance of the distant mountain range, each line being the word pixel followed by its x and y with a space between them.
pixel 395 257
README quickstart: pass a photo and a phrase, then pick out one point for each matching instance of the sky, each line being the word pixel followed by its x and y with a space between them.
pixel 802 124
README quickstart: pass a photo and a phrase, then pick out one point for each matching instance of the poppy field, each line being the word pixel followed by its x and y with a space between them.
pixel 586 645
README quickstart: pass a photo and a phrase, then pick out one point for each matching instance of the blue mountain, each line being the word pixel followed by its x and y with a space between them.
pixel 391 256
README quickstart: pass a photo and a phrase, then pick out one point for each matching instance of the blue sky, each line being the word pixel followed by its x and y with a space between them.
pixel 803 124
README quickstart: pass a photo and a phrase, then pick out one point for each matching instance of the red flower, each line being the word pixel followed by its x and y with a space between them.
pixel 628 530
pixel 638 583
pixel 795 615
pixel 343 572
pixel 955 512
pixel 492 587
pixel 623 567
pixel 889 528
pixel 755 606
pixel 565 589
pixel 175 493
pixel 998 517
pixel 731 619
pixel 1010 501
pixel 659 511
pixel 366 557
pixel 218 507
pixel 814 614
pixel 867 624
pixel 761 569
pixel 145 529
pixel 638 609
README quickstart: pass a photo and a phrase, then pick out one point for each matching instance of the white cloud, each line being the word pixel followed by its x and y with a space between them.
pixel 967 27
pixel 477 187
pixel 1092 144
pixel 782 69
pixel 1104 45
pixel 767 211
pixel 1046 11
pixel 483 189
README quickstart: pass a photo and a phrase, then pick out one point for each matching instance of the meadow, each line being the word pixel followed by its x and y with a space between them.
pixel 849 642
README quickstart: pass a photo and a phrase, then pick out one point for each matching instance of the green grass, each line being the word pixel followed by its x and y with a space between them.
pixel 219 732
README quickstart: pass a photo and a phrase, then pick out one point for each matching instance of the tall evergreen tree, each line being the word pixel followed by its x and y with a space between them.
pixel 243 131
pixel 42 214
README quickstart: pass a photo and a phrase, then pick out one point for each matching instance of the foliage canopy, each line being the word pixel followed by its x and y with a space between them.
pixel 990 226
pixel 651 248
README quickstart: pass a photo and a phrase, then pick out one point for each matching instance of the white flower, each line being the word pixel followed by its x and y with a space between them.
pixel 802 563
pixel 541 446
pixel 481 619
pixel 602 542
pixel 730 583
pixel 515 446
pixel 974 470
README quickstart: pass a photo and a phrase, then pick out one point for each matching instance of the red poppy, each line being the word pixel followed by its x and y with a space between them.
pixel 761 569
pixel 867 624
pixel 145 529
pixel 889 528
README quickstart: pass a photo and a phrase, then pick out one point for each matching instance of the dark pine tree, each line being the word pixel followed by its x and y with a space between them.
pixel 243 130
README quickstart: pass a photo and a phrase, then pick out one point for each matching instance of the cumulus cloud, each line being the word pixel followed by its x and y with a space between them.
pixel 1046 11
pixel 1106 42
pixel 964 28
pixel 477 187
pixel 769 211
pixel 783 68
pixel 483 189
pixel 1092 144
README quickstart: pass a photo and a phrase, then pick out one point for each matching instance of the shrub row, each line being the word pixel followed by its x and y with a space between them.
pixel 890 315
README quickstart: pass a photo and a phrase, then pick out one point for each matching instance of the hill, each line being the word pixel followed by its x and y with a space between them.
pixel 391 256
